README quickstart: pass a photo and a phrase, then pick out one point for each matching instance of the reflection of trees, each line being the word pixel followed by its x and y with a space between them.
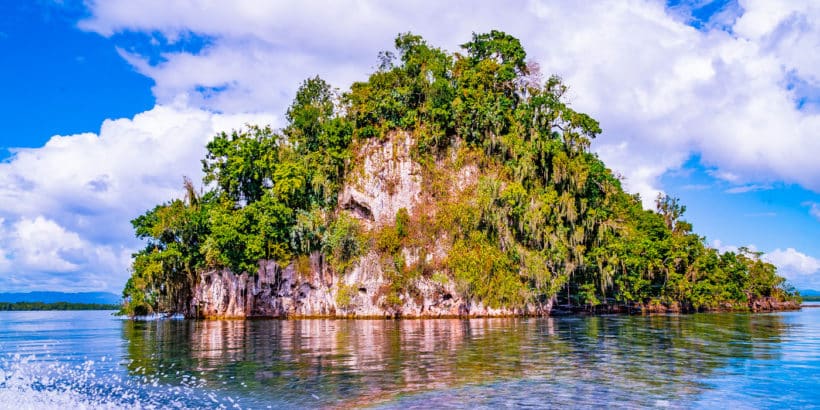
pixel 666 355
pixel 337 361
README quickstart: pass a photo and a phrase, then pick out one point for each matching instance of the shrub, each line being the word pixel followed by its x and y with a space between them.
pixel 345 295
pixel 344 242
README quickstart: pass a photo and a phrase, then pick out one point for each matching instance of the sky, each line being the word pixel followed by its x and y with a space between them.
pixel 108 104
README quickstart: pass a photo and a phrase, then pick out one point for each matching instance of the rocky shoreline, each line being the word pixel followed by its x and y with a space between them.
pixel 284 293
pixel 755 306
pixel 276 292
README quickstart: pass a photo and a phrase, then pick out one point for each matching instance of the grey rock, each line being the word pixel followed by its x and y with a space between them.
pixel 387 181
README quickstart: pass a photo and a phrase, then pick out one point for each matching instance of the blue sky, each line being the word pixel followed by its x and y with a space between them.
pixel 108 104
pixel 60 80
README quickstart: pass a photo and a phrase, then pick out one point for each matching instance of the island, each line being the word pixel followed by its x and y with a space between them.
pixel 446 185
pixel 53 300
pixel 25 306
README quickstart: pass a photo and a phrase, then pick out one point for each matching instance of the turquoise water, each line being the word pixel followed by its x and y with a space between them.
pixel 94 360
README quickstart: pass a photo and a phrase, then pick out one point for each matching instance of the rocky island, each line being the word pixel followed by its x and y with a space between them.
pixel 445 185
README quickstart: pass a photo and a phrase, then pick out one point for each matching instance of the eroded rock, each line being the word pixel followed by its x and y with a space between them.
pixel 387 181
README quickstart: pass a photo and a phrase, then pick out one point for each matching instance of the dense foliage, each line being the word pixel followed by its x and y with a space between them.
pixel 544 219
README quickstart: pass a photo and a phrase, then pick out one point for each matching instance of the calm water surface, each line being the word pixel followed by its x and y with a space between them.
pixel 94 360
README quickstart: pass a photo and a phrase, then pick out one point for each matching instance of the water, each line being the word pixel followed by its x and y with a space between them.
pixel 93 360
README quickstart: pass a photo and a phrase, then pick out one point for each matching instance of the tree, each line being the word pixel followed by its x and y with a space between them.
pixel 670 208
pixel 241 163
pixel 312 108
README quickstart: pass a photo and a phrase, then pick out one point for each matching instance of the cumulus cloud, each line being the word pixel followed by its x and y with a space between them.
pixel 41 244
pixel 65 206
pixel 5 263
pixel 726 91
pixel 800 269
pixel 740 89
pixel 47 256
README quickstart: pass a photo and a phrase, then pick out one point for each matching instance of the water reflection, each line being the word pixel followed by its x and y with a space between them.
pixel 572 360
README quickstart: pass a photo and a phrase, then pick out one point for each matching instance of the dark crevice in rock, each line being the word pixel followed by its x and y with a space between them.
pixel 359 210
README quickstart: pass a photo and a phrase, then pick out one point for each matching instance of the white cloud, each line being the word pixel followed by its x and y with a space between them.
pixel 742 189
pixel 44 255
pixel 662 89
pixel 43 245
pixel 787 30
pixel 723 175
pixel 66 206
pixel 5 263
pixel 800 269
pixel 814 209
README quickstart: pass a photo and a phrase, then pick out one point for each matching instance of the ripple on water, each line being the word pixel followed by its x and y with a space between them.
pixel 91 360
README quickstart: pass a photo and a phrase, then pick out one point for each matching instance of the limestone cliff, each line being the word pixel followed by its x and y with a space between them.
pixel 385 180
pixel 278 293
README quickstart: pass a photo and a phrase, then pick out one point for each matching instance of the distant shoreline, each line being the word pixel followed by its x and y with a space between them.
pixel 38 306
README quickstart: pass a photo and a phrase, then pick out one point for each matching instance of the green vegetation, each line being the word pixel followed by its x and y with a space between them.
pixel 544 218
pixel 7 306
pixel 345 295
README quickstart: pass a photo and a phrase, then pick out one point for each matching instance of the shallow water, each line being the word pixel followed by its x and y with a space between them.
pixel 94 360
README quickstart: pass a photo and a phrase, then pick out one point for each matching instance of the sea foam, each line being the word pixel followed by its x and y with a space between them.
pixel 29 382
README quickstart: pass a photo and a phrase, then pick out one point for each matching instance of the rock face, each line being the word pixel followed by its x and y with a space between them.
pixel 281 293
pixel 386 181
pixel 772 305
pixel 272 292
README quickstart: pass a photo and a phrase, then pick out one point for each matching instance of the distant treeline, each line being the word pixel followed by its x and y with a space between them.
pixel 815 298
pixel 4 306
